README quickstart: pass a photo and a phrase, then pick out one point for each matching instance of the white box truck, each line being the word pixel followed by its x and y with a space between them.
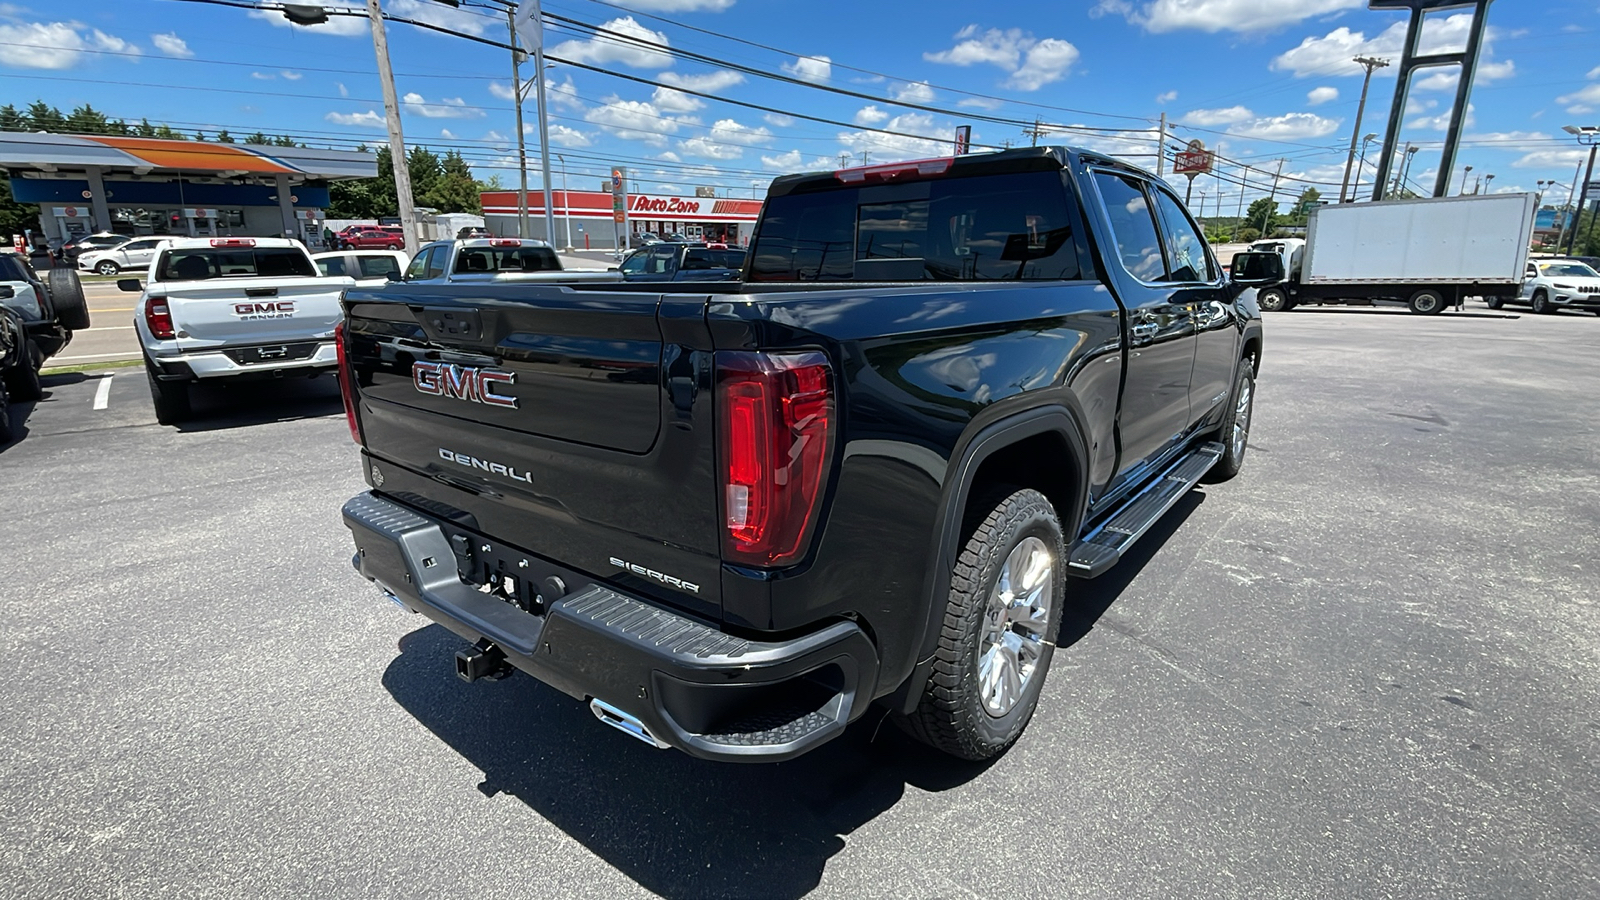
pixel 1427 254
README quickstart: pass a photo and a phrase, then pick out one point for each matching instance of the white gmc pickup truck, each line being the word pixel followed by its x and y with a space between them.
pixel 232 308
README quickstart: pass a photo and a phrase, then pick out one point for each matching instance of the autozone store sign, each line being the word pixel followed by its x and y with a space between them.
pixel 645 207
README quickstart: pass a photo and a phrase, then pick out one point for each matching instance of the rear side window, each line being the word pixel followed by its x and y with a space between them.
pixel 1014 227
pixel 11 269
pixel 1134 225
pixel 332 267
pixel 492 260
pixel 713 259
pixel 1185 248
pixel 202 263
pixel 377 266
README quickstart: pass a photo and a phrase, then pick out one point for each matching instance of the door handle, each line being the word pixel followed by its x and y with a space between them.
pixel 1146 332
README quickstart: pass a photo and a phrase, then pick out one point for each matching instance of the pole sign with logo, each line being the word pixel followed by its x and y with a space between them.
pixel 963 139
pixel 1195 160
pixel 619 200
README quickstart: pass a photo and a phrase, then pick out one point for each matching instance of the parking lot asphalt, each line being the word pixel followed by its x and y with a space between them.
pixel 1367 667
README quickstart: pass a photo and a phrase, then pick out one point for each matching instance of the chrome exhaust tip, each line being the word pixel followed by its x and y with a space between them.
pixel 625 723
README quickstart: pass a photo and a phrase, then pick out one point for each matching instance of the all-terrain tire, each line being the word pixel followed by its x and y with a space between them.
pixel 171 398
pixel 1235 431
pixel 951 715
pixel 23 380
pixel 66 295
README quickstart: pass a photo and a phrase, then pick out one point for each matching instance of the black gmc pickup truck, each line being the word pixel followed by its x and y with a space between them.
pixel 734 517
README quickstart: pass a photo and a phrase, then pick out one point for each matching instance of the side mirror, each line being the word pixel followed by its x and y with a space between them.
pixel 613 269
pixel 1257 269
pixel 131 285
pixel 7 292
pixel 394 275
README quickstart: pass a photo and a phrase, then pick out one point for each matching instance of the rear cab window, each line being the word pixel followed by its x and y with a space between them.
pixel 1017 226
pixel 332 267
pixel 502 260
pixel 204 263
pixel 377 266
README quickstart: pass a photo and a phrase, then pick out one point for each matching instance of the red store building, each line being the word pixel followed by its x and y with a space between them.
pixel 585 218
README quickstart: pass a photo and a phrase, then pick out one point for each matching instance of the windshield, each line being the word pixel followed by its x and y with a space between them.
pixel 489 260
pixel 1568 270
pixel 202 263
pixel 977 228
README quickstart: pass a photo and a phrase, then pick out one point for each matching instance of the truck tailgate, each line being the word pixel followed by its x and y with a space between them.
pixel 571 424
pixel 255 310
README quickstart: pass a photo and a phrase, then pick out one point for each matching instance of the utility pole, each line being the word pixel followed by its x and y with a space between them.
pixel 522 142
pixel 1272 206
pixel 1369 63
pixel 1238 219
pixel 1161 150
pixel 1034 133
pixel 1585 135
pixel 1561 235
pixel 397 143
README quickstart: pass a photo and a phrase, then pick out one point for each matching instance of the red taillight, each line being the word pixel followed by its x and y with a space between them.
pixel 891 171
pixel 233 242
pixel 347 383
pixel 158 317
pixel 776 422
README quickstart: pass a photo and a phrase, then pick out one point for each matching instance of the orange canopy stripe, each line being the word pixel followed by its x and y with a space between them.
pixel 191 155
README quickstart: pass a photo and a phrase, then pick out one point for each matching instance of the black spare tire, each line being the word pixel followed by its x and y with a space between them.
pixel 66 295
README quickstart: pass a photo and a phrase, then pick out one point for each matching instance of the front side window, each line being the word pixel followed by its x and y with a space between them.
pixel 419 266
pixel 436 262
pixel 1013 227
pixel 1185 248
pixel 1133 225
pixel 634 264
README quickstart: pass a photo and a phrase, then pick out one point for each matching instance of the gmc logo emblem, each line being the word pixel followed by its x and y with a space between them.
pixel 463 383
pixel 264 309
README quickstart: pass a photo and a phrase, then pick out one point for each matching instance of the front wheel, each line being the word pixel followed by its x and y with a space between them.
pixel 394 246
pixel 1235 430
pixel 107 267
pixel 1494 302
pixel 1541 303
pixel 1000 623
pixel 1427 302
pixel 1272 300
pixel 23 380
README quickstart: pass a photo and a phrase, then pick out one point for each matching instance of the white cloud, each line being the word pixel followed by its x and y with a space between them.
pixel 1031 62
pixel 633 120
pixel 1321 95
pixel 1593 73
pixel 562 136
pixel 1547 159
pixel 980 103
pixel 53 45
pixel 790 161
pixel 669 156
pixel 1334 52
pixel 494 136
pixel 1442 120
pixel 815 69
pixel 343 91
pixel 778 121
pixel 291 76
pixel 615 48
pixel 1446 81
pixel 677 6
pixel 1167 97
pixel 708 83
pixel 726 140
pixel 1416 106
pixel 336 26
pixel 871 115
pixel 368 119
pixel 564 94
pixel 263 76
pixel 912 92
pixel 1206 118
pixel 447 134
pixel 448 108
pixel 438 14
pixel 1287 127
pixel 502 90
pixel 1219 15
pixel 172 45
pixel 893 147
pixel 1582 100
pixel 675 101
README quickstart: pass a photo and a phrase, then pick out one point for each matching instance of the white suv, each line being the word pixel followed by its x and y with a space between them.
pixel 1554 284
pixel 135 254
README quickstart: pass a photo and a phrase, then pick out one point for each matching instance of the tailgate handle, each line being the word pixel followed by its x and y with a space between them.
pixel 261 292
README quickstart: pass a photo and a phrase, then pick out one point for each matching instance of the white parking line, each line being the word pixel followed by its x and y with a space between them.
pixel 97 356
pixel 106 328
pixel 102 394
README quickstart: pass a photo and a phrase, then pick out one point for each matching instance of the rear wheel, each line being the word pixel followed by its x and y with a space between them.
pixel 1000 623
pixel 1541 303
pixel 1272 300
pixel 107 267
pixel 171 398
pixel 1494 302
pixel 393 246
pixel 23 380
pixel 1427 302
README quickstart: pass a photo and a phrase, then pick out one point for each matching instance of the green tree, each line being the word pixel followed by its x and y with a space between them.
pixel 1262 215
pixel 223 137
pixel 166 133
pixel 11 119
pixel 144 129
pixel 455 190
pixel 258 139
pixel 426 169
pixel 44 117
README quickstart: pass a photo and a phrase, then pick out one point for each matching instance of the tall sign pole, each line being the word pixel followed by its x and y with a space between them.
pixel 397 143
pixel 522 143
pixel 529 27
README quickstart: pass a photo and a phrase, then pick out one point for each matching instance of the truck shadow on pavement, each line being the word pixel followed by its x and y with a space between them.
pixel 218 407
pixel 22 411
pixel 678 826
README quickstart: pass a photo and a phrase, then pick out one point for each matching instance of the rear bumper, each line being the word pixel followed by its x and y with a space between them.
pixel 220 364
pixel 708 693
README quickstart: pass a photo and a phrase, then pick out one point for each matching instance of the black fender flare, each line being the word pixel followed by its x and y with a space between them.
pixel 988 440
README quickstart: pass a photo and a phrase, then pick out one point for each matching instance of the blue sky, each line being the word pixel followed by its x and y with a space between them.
pixel 1258 80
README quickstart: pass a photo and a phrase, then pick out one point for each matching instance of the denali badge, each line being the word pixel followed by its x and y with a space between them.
pixel 484 465
pixel 463 383
pixel 652 574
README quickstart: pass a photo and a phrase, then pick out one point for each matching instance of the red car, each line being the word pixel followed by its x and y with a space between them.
pixel 373 239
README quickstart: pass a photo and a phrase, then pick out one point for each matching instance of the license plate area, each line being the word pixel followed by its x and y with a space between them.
pixel 272 353
pixel 502 572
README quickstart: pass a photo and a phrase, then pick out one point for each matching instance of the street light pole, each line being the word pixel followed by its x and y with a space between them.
pixel 1466 176
pixel 397 142
pixel 566 201
pixel 1369 63
pixel 522 144
pixel 1586 135
pixel 1355 189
